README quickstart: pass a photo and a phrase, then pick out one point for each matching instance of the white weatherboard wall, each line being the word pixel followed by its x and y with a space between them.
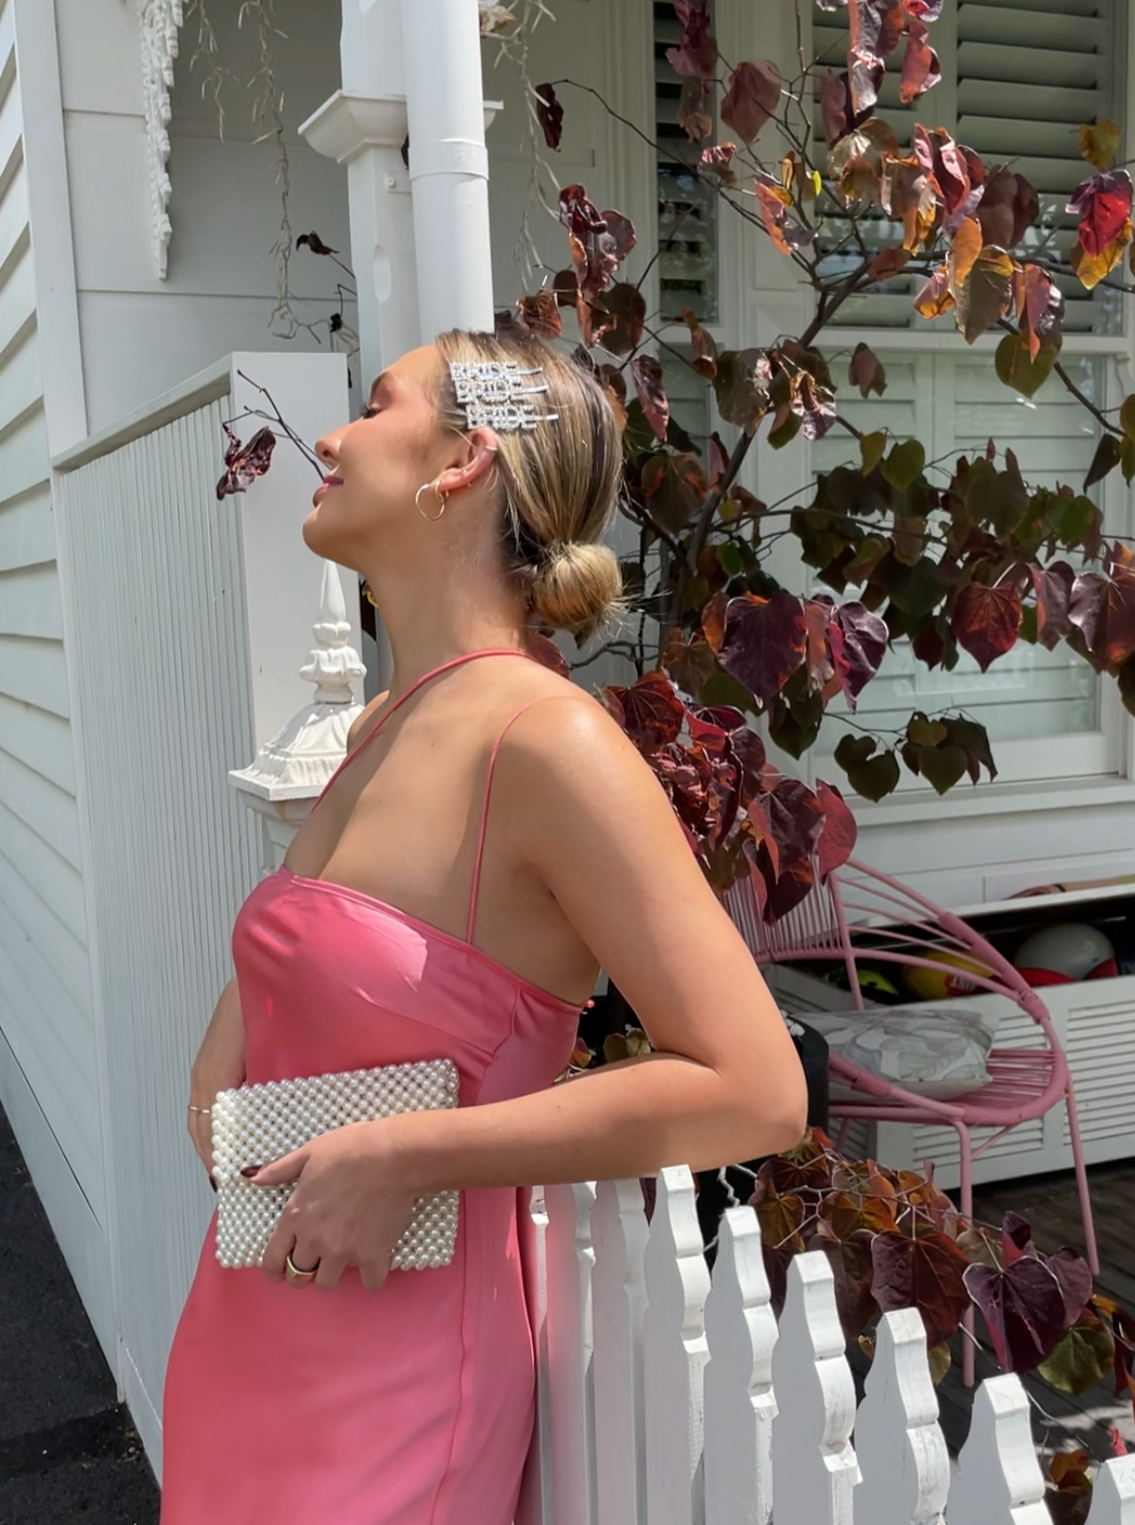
pixel 192 619
pixel 142 335
pixel 49 1072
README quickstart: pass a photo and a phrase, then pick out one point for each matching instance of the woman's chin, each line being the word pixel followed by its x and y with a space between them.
pixel 318 540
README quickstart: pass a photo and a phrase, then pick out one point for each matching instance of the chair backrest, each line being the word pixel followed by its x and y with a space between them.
pixel 860 914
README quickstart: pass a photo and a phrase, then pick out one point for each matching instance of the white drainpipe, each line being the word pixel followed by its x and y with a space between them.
pixel 449 167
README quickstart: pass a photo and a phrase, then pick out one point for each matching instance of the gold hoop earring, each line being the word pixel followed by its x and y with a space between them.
pixel 442 498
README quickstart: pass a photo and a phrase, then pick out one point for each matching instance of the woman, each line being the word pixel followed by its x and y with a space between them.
pixel 491 841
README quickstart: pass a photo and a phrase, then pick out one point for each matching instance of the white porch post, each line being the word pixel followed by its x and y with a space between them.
pixel 420 244
pixel 449 164
pixel 364 126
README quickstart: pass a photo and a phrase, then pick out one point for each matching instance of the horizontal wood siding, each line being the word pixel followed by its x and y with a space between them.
pixel 46 1002
pixel 162 686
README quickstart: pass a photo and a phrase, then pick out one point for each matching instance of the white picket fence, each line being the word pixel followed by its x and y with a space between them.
pixel 663 1400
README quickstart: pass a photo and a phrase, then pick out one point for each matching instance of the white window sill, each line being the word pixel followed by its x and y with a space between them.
pixel 966 801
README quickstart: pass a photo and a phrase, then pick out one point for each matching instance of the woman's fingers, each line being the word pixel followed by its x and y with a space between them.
pixel 331 1268
pixel 373 1273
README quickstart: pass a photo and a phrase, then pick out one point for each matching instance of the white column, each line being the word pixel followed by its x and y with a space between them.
pixel 364 126
pixel 449 166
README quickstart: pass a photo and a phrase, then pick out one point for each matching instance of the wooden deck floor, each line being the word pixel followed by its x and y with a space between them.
pixel 1051 1206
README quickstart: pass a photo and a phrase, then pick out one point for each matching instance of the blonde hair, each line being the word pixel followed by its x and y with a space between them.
pixel 559 484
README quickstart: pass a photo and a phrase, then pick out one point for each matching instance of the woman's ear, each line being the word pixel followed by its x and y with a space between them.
pixel 477 460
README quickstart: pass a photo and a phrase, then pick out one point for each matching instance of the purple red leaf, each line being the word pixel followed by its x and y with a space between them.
pixel 646 373
pixel 696 57
pixel 244 463
pixel 987 621
pixel 1024 1309
pixel 752 98
pixel 764 643
pixel 550 115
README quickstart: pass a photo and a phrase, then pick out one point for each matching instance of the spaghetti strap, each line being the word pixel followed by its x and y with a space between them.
pixel 434 672
pixel 512 719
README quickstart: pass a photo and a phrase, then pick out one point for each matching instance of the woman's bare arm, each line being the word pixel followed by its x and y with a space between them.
pixel 725 1082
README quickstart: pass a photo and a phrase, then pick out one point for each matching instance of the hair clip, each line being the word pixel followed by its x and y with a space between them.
pixel 493 394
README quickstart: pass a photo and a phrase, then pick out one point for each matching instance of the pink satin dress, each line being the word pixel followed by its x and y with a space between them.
pixel 408 1406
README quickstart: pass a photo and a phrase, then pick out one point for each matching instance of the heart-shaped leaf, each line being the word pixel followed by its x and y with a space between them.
pixel 1024 1309
pixel 873 777
pixel 987 293
pixel 924 1273
pixel 1108 455
pixel 1053 588
pixel 986 621
pixel 1103 609
pixel 1099 143
pixel 627 306
pixel 1021 371
pixel 838 838
pixel 752 98
pixel 942 767
pixel 905 464
pixel 550 115
pixel 866 371
pixel 742 382
pixel 858 644
pixel 920 68
pixel 872 448
pixel 646 373
pixel 764 642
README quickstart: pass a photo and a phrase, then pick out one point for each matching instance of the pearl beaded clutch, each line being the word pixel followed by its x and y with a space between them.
pixel 255 1124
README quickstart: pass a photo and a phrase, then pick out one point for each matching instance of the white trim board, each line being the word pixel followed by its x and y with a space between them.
pixel 74 1225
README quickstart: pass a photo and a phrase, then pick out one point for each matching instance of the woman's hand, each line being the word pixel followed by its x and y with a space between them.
pixel 350 1207
pixel 218 1066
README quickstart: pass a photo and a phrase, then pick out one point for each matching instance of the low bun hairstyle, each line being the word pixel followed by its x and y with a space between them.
pixel 559 484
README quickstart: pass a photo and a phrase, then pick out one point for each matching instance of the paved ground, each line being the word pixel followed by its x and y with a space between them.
pixel 68 1453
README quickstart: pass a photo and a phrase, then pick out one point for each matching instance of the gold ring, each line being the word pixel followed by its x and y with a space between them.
pixel 295 1275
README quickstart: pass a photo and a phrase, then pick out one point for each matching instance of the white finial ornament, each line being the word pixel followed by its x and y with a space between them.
pixel 301 757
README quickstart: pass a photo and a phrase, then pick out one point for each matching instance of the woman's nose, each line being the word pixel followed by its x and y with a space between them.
pixel 327 449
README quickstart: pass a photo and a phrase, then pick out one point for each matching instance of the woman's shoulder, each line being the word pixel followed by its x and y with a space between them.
pixel 362 720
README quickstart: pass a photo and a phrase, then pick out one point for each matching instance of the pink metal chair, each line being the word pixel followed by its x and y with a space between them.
pixel 861 914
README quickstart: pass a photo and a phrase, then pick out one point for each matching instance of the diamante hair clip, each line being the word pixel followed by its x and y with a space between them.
pixel 494 395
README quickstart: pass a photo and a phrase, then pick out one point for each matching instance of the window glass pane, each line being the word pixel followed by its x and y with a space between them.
pixel 955 405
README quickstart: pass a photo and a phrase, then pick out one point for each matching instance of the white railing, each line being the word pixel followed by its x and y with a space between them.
pixel 664 1400
pixel 188 623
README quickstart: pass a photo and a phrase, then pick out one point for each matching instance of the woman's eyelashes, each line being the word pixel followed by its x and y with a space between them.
pixel 370 411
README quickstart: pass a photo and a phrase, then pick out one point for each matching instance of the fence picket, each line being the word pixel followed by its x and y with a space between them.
pixel 569 1259
pixel 1113 1497
pixel 999 1480
pixel 902 1454
pixel 813 1465
pixel 674 1354
pixel 535 1503
pixel 741 1331
pixel 619 1233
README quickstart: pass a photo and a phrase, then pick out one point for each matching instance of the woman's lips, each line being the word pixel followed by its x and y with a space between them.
pixel 330 480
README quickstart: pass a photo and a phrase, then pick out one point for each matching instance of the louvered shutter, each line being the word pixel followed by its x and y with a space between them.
pixel 1019 78
pixel 687 206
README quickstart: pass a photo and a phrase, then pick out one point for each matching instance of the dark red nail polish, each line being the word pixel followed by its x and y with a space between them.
pixel 212 1183
pixel 251 1170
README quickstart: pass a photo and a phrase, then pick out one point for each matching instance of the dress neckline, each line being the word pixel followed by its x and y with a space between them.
pixel 428 930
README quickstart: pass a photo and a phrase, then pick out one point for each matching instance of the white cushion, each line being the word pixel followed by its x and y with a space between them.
pixel 936 1051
